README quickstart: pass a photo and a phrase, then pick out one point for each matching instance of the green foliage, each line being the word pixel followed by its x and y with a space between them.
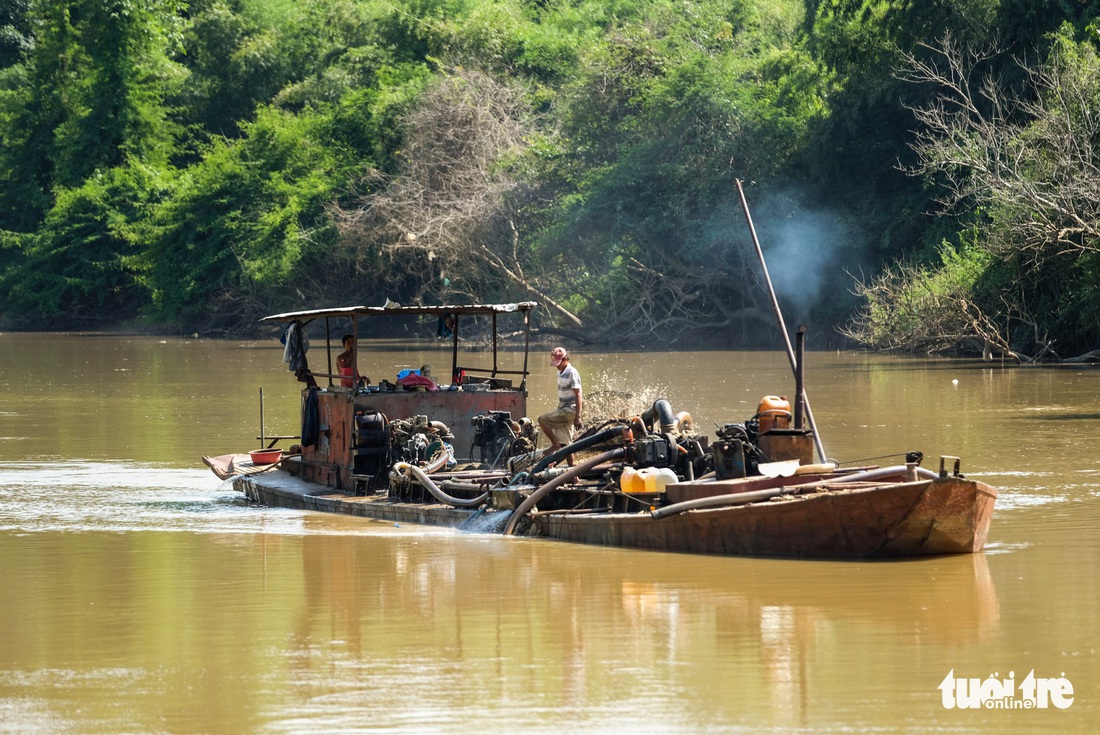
pixel 1077 312
pixel 917 308
pixel 81 265
pixel 85 135
pixel 24 150
pixel 229 71
pixel 15 31
pixel 240 220
pixel 181 160
pixel 113 104
pixel 661 119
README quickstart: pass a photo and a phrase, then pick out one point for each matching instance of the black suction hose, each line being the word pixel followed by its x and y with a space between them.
pixel 555 483
pixel 589 441
pixel 661 409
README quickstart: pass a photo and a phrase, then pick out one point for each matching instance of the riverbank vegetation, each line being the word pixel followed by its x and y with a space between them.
pixel 922 175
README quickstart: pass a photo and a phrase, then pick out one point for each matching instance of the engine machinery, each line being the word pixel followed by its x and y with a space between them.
pixel 497 437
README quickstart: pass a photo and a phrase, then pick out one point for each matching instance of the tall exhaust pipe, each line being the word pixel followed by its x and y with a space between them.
pixel 782 326
pixel 799 379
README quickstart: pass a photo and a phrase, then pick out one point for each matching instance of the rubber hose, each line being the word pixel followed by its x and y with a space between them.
pixel 755 495
pixel 879 474
pixel 421 477
pixel 470 487
pixel 661 409
pixel 589 441
pixel 718 500
pixel 439 461
pixel 557 482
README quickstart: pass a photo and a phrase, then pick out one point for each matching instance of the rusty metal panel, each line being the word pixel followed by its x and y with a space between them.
pixel 329 461
pixel 454 408
pixel 785 444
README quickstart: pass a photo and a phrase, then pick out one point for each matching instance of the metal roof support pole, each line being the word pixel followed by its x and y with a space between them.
pixel 355 354
pixel 526 347
pixel 494 345
pixel 454 353
pixel 328 350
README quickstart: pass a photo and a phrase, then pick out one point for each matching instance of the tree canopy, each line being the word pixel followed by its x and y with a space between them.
pixel 921 174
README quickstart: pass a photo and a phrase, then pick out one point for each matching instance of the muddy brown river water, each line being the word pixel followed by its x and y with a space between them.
pixel 140 595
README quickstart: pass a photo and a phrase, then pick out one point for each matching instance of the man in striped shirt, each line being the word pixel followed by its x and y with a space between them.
pixel 558 425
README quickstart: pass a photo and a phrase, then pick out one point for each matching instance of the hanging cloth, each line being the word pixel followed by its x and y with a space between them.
pixel 311 419
pixel 297 344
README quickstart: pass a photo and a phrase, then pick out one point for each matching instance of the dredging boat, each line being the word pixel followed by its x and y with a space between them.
pixel 463 454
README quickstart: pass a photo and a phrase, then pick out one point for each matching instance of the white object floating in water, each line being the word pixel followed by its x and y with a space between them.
pixel 955 381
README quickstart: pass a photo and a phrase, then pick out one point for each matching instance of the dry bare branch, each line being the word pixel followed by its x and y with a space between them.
pixel 1030 163
pixel 445 211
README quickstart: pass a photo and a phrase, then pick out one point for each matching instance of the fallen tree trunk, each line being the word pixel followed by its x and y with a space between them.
pixel 1093 356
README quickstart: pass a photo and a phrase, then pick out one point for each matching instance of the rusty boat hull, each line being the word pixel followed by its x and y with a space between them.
pixel 948 515
pixel 891 519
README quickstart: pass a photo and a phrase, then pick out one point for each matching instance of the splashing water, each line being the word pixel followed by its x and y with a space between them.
pixel 486 521
pixel 612 403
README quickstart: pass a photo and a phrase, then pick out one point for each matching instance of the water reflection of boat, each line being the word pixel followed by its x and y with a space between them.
pixel 649 481
pixel 945 600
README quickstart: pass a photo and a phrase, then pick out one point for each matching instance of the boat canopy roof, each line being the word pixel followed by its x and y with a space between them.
pixel 360 311
pixel 450 317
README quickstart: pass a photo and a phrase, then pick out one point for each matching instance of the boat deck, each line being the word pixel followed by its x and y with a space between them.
pixel 280 489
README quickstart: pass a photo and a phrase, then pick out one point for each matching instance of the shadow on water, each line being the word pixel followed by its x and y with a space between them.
pixel 1051 416
pixel 860 362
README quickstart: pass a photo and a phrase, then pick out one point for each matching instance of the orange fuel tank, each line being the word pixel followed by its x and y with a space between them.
pixel 774 412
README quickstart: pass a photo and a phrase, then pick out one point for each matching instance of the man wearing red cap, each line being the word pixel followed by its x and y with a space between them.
pixel 558 424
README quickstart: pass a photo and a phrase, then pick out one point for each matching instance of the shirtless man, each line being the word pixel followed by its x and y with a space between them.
pixel 345 361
